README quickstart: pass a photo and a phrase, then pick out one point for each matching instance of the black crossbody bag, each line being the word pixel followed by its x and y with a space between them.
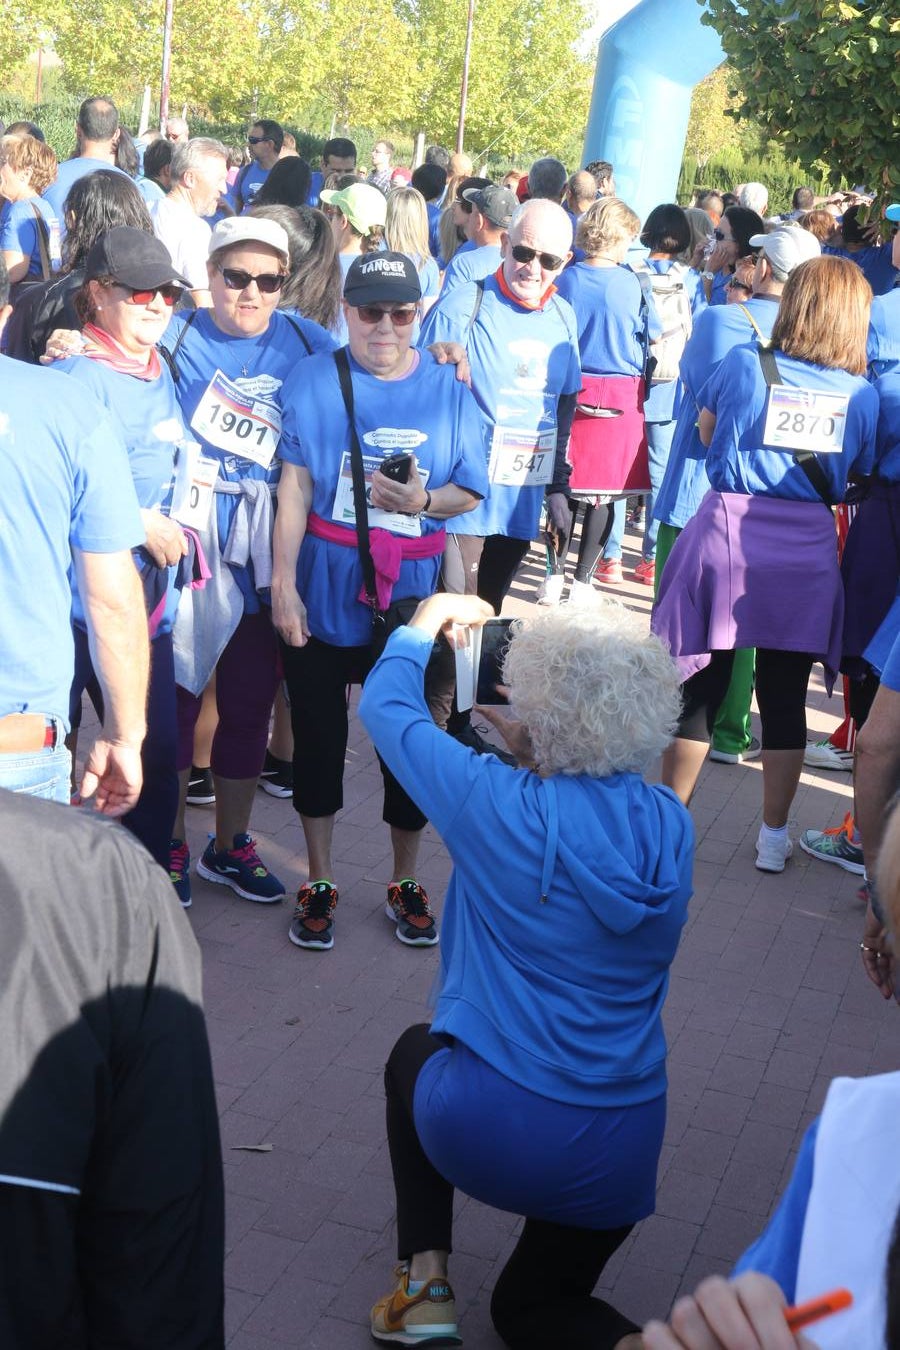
pixel 398 612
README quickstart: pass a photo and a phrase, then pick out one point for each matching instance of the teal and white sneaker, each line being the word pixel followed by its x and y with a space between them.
pixel 835 846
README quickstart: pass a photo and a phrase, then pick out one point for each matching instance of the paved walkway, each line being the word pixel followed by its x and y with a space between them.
pixel 767 1002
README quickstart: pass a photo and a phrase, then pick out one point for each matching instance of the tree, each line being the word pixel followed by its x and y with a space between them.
pixel 528 85
pixel 822 78
pixel 711 130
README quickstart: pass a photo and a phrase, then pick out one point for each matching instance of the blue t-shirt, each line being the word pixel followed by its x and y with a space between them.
pixel 776 1252
pixel 609 312
pixel 874 260
pixel 887 435
pixel 890 675
pixel 716 332
pixel 149 418
pixel 66 484
pixel 472 266
pixel 434 220
pixel 19 233
pixel 738 461
pixel 429 413
pixel 249 184
pixel 316 183
pixel 257 366
pixel 149 190
pixel 717 291
pixel 69 172
pixel 522 361
pixel 883 345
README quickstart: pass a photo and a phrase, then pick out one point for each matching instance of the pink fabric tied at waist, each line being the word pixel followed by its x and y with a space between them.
pixel 388 551
pixel 752 572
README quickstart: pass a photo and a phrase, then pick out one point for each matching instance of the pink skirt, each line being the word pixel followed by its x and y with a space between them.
pixel 609 454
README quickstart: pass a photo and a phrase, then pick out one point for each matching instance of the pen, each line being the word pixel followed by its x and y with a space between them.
pixel 823 1306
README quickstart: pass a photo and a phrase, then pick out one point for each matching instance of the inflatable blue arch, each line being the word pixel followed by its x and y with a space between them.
pixel 647 66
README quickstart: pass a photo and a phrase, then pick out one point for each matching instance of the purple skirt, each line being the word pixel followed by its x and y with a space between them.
pixel 752 572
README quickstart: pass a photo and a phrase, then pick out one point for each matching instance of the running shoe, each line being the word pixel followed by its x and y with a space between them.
pixel 824 755
pixel 752 751
pixel 467 735
pixel 313 923
pixel 241 868
pixel 636 518
pixel 835 846
pixel 645 571
pixel 180 871
pixel 427 1317
pixel 407 904
pixel 201 788
pixel 277 777
pixel 551 589
pixel 609 572
pixel 771 857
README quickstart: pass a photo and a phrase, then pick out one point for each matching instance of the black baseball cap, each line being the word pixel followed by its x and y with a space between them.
pixel 132 258
pixel 382 278
pixel 495 203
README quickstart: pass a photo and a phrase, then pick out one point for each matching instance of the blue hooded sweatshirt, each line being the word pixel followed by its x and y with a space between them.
pixel 564 908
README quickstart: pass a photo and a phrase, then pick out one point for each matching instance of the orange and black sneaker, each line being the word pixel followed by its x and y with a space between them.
pixel 407 904
pixel 313 923
pixel 426 1317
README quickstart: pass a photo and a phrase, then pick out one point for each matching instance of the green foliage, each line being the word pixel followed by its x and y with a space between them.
pixel 823 79
pixel 726 170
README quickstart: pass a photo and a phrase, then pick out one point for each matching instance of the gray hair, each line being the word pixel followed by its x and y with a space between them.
pixel 547 178
pixel 755 197
pixel 189 154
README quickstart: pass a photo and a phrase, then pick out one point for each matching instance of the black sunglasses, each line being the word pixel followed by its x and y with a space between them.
pixel 400 318
pixel 549 261
pixel 722 238
pixel 267 282
pixel 257 140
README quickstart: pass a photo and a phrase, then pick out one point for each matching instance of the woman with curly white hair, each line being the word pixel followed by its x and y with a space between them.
pixel 539 1087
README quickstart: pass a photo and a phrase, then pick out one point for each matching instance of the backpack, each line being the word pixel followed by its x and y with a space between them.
pixel 668 295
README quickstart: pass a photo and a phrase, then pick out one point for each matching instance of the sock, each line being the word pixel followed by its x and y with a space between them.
pixel 768 835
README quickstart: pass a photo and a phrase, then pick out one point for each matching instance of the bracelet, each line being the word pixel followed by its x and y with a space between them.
pixel 427 507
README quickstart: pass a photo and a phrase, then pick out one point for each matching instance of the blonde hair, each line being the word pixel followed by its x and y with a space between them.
pixel 448 234
pixel 605 224
pixel 823 317
pixel 406 228
pixel 26 152
pixel 598 694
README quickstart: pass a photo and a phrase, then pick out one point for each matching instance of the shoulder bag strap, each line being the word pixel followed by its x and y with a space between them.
pixel 300 333
pixel 169 356
pixel 479 296
pixel 759 333
pixel 359 480
pixel 43 242
pixel 804 458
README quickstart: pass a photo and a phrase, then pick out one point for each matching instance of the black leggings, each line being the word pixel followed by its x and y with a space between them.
pixel 544 1294
pixel 782 680
pixel 596 527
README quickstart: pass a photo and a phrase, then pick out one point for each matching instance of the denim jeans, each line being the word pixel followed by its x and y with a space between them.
pixel 41 773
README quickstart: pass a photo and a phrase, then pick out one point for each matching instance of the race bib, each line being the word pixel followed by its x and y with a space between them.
pixel 804 419
pixel 522 458
pixel 195 483
pixel 237 423
pixel 343 510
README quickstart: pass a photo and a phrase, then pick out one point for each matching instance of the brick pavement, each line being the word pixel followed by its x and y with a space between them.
pixel 767 1002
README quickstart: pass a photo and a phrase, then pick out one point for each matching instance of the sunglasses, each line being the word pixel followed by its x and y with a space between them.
pixel 735 285
pixel 722 238
pixel 400 318
pixel 549 261
pixel 257 140
pixel 267 282
pixel 170 294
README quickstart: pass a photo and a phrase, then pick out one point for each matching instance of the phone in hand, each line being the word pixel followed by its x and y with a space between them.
pixel 494 642
pixel 396 467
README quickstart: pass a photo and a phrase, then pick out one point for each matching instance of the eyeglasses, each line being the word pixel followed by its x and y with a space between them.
pixel 400 318
pixel 257 140
pixel 722 238
pixel 267 282
pixel 549 261
pixel 170 294
pixel 735 285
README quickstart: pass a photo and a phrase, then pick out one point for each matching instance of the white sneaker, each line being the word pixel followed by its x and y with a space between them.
pixel 771 857
pixel 551 589
pixel 581 593
pixel 824 755
pixel 753 751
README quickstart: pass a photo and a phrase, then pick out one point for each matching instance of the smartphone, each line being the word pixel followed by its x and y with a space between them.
pixel 396 467
pixel 494 642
